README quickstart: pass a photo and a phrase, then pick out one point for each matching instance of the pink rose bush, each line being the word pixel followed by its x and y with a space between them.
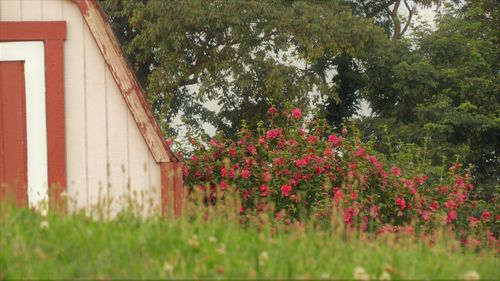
pixel 302 169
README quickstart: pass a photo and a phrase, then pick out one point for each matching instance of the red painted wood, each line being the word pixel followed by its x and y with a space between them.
pixel 13 150
pixel 171 188
pixel 56 153
pixel 32 30
pixel 53 34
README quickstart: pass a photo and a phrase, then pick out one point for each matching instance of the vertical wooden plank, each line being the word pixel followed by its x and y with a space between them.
pixel 10 10
pixel 167 182
pixel 178 189
pixel 154 185
pixel 118 169
pixel 76 155
pixel 52 10
pixel 172 190
pixel 95 95
pixel 13 148
pixel 31 10
pixel 138 152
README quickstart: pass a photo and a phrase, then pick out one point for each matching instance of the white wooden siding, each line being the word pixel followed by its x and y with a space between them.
pixel 107 157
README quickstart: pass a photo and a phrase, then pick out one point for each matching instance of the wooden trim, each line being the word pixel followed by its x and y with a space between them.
pixel 53 35
pixel 171 188
pixel 32 30
pixel 125 79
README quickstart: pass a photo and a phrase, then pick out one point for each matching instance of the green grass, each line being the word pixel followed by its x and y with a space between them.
pixel 74 246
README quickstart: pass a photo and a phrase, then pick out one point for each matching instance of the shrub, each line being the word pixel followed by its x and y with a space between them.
pixel 302 170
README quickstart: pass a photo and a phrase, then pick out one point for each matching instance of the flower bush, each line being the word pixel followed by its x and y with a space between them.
pixel 301 169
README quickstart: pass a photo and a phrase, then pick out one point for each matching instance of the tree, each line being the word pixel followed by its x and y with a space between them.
pixel 443 86
pixel 243 56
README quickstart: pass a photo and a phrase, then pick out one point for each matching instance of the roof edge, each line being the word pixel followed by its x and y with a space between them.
pixel 126 80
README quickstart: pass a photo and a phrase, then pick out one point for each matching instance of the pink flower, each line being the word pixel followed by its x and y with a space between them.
pixel 336 141
pixel 301 131
pixel 337 195
pixel 452 215
pixel 245 173
pixel 361 152
pixel 223 185
pixel 450 204
pixel 401 203
pixel 374 211
pixel 485 216
pixel 434 205
pixel 354 195
pixel 274 133
pixel 296 113
pixel 473 221
pixel 311 139
pixel 395 170
pixel 426 215
pixel 263 190
pixel 285 190
pixel 301 162
pixel 272 110
pixel 266 176
pixel 223 172
pixel 348 216
pixel 170 142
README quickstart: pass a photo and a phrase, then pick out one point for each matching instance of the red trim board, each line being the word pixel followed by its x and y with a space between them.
pixel 53 35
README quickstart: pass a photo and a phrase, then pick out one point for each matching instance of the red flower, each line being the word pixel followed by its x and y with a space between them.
pixel 296 113
pixel 354 195
pixel 223 185
pixel 348 216
pixel 336 141
pixel 434 205
pixel 301 162
pixel 285 190
pixel 245 173
pixel 450 204
pixel 360 152
pixel 401 203
pixel 311 139
pixel 473 221
pixel 337 195
pixel 272 110
pixel 263 190
pixel 485 216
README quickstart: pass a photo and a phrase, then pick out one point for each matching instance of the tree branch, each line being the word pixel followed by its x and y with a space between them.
pixel 380 8
pixel 411 11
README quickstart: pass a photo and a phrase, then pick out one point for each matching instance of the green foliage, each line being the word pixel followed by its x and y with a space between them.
pixel 204 245
pixel 443 87
pixel 300 170
pixel 241 55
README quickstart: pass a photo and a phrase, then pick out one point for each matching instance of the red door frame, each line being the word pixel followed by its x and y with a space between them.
pixel 53 34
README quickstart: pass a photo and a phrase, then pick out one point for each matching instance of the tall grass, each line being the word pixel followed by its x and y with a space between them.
pixel 215 243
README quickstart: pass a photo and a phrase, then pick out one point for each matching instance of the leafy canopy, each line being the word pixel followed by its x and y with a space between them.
pixel 241 56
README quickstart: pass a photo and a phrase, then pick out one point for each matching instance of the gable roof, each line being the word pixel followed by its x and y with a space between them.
pixel 125 79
